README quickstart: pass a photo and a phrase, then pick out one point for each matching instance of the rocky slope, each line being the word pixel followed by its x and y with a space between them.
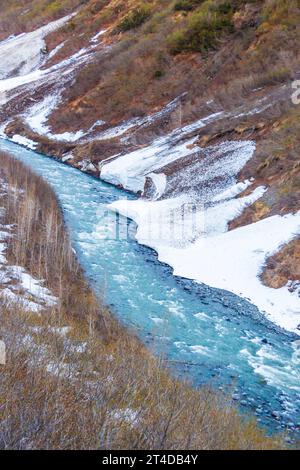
pixel 191 104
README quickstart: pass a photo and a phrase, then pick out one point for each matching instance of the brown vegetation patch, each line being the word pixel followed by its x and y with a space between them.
pixel 25 16
pixel 283 266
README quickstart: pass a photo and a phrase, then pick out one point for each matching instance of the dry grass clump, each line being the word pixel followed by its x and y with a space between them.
pixel 135 18
pixel 204 28
pixel 74 378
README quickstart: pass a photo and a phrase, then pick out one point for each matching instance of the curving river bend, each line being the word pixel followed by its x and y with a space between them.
pixel 207 335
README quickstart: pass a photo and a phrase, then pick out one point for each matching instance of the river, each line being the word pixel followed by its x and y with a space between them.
pixel 207 335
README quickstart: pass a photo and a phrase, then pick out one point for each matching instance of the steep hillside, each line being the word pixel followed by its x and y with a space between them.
pixel 188 103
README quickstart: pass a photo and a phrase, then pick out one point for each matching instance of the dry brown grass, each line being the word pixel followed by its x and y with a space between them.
pixel 261 51
pixel 96 386
pixel 18 16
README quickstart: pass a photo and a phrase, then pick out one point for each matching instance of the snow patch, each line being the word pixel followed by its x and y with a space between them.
pixel 95 38
pixel 17 286
pixel 37 117
pixel 130 170
pixel 21 140
pixel 22 54
pixel 125 126
pixel 55 50
pixel 160 181
pixel 178 221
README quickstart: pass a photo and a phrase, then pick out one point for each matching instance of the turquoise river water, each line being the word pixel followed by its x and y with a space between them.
pixel 207 335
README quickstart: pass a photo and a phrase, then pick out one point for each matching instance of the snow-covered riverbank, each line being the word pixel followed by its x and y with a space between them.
pixel 190 231
pixel 230 260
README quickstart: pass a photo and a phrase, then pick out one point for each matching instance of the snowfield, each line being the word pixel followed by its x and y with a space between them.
pixel 21 70
pixel 37 117
pixel 227 260
pixel 130 170
pixel 20 55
